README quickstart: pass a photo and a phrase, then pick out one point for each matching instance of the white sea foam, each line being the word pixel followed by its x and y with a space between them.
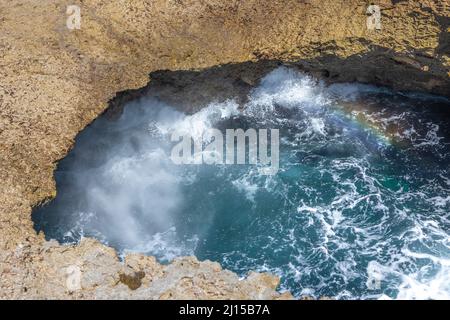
pixel 198 123
pixel 245 185
pixel 165 245
pixel 287 88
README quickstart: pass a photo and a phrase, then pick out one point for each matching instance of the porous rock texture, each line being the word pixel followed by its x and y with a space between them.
pixel 55 81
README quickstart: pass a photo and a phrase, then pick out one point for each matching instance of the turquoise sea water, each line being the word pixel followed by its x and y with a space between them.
pixel 359 208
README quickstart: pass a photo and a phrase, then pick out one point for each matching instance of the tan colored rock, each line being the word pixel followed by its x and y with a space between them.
pixel 54 82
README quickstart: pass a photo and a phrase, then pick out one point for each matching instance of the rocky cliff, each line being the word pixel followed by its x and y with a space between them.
pixel 54 81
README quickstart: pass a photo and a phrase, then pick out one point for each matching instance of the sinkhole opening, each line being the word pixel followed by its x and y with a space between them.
pixel 358 208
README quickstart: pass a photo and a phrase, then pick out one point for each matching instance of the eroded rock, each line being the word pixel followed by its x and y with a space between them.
pixel 55 81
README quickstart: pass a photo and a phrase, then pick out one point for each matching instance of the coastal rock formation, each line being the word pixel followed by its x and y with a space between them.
pixel 54 81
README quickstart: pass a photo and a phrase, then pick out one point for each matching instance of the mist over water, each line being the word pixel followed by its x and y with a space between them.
pixel 359 208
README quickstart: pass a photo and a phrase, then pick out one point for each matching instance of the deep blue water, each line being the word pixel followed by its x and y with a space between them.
pixel 360 206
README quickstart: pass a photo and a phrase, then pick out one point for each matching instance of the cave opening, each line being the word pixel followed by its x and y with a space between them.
pixel 359 207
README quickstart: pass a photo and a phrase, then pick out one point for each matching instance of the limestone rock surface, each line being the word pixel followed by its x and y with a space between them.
pixel 54 81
